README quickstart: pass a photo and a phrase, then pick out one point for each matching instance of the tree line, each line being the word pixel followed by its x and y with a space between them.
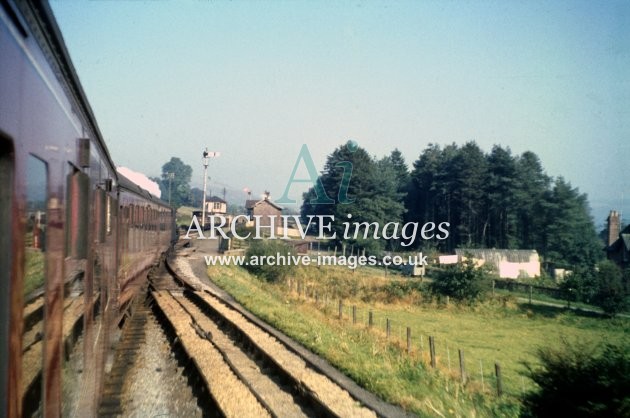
pixel 490 199
pixel 174 184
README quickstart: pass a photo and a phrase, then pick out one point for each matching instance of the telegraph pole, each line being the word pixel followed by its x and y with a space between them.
pixel 171 176
pixel 205 179
pixel 206 157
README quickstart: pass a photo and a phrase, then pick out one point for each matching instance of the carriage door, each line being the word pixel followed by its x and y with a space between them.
pixel 76 251
pixel 6 261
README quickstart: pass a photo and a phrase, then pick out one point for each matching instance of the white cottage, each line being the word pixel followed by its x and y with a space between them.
pixel 509 264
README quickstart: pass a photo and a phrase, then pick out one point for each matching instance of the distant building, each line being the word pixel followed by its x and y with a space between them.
pixel 448 259
pixel 269 212
pixel 618 245
pixel 216 206
pixel 509 264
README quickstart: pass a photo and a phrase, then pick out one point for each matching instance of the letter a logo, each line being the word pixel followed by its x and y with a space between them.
pixel 318 187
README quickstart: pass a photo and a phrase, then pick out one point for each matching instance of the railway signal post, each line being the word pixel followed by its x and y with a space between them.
pixel 206 157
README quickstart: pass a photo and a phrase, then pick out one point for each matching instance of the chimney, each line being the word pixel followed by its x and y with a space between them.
pixel 613 227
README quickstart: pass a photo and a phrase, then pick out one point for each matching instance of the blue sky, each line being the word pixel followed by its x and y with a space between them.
pixel 256 80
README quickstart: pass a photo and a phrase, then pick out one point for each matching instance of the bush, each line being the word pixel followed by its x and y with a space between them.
pixel 580 285
pixel 399 289
pixel 462 281
pixel 578 381
pixel 570 288
pixel 270 249
pixel 611 294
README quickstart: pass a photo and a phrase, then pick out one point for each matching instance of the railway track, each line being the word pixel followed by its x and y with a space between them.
pixel 133 338
pixel 246 370
pixel 237 366
pixel 150 374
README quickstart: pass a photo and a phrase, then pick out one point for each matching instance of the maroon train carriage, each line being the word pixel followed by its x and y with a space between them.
pixel 76 237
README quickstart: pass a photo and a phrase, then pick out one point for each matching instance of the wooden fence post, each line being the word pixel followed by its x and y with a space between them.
pixel 340 309
pixel 387 327
pixel 497 372
pixel 317 297
pixel 448 357
pixel 354 314
pixel 462 366
pixel 432 351
pixel 408 340
pixel 530 294
pixel 493 288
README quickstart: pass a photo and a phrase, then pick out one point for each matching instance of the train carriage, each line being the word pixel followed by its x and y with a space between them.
pixel 145 229
pixel 76 238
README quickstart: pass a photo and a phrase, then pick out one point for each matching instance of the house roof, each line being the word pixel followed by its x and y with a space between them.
pixel 623 240
pixel 215 199
pixel 497 255
pixel 249 204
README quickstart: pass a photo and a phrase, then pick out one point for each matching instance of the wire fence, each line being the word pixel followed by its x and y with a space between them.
pixel 460 365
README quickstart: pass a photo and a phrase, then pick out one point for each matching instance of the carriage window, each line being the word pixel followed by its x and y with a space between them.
pixel 33 285
pixel 99 207
pixel 77 214
pixel 35 225
pixel 112 213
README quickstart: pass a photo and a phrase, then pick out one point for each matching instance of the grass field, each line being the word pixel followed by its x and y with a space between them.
pixel 546 298
pixel 497 331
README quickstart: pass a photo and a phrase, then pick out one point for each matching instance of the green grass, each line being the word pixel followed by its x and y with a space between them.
pixel 363 354
pixel 546 298
pixel 492 333
pixel 500 330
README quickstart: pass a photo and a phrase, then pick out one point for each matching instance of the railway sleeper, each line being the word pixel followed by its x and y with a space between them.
pixel 232 398
pixel 204 398
pixel 302 394
pixel 133 336
pixel 275 395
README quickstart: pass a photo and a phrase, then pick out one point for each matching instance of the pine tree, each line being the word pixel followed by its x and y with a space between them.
pixel 570 238
pixel 499 228
pixel 402 171
pixel 466 184
pixel 530 193
pixel 373 195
